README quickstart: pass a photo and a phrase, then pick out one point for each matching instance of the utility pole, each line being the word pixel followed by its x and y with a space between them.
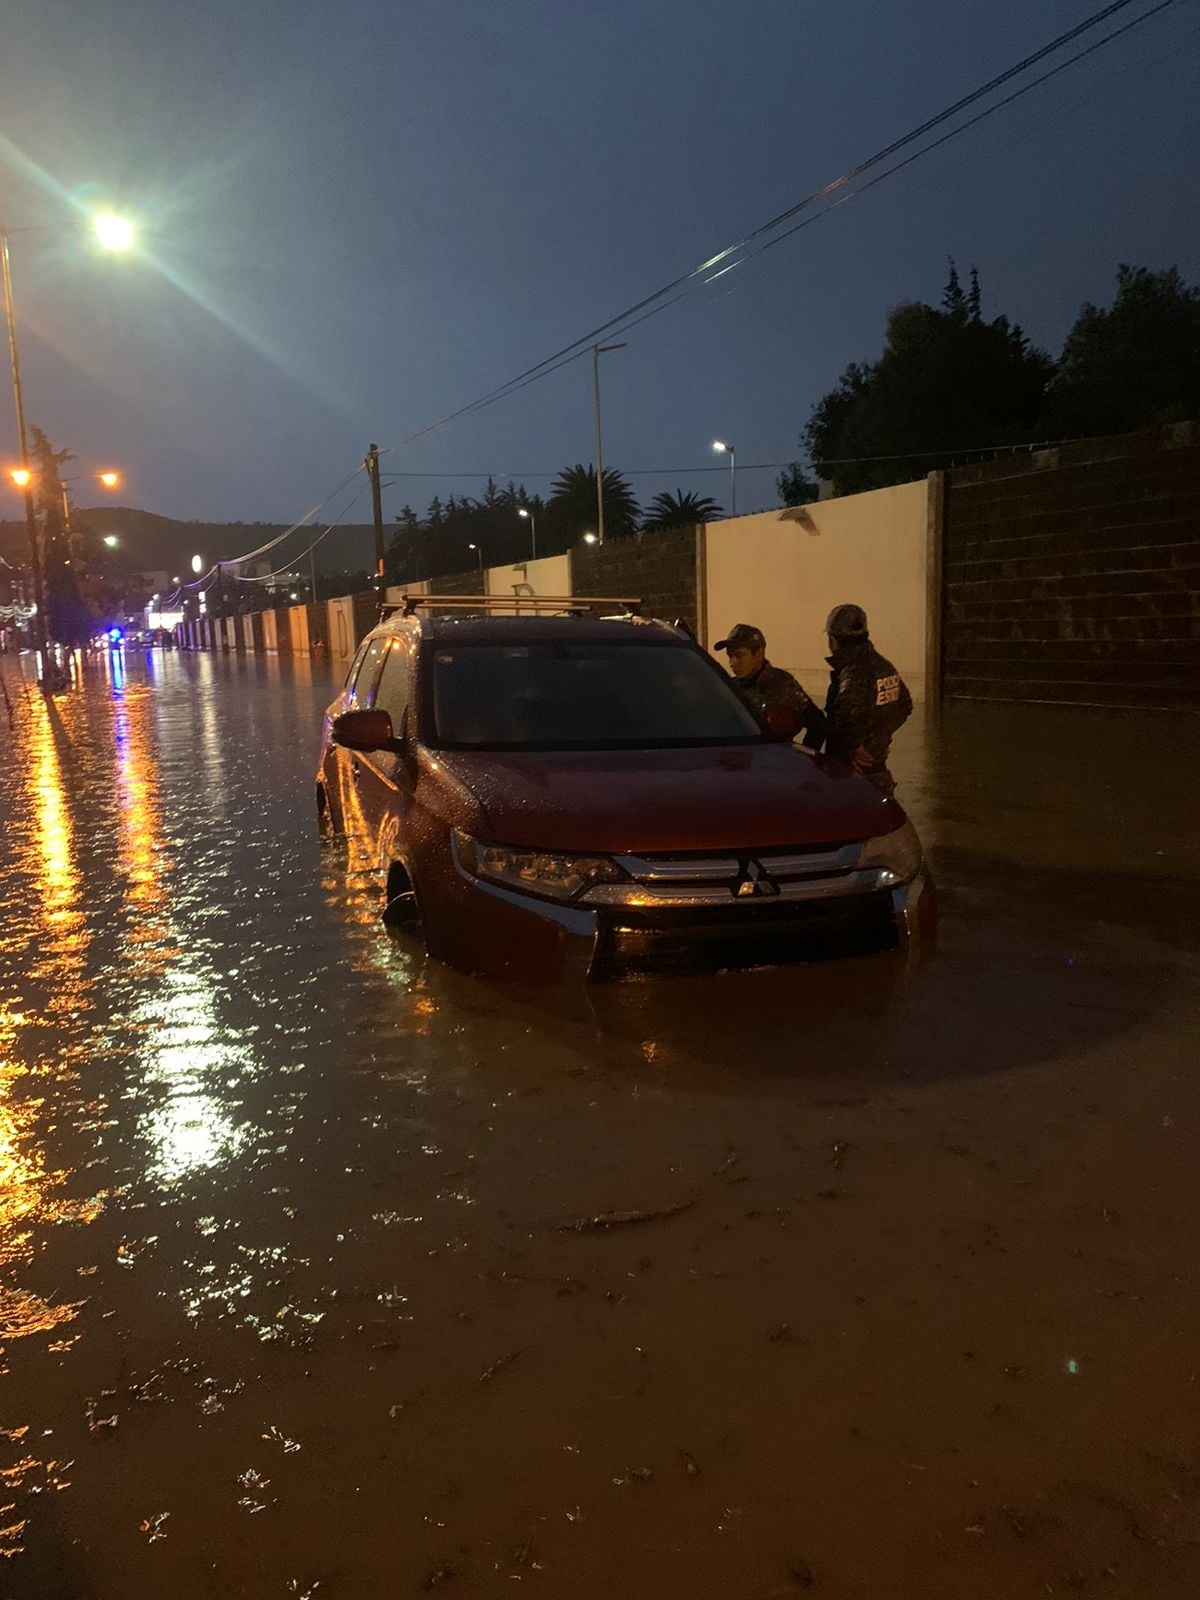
pixel 599 350
pixel 372 465
pixel 35 553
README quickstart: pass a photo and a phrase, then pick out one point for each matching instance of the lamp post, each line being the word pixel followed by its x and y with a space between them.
pixel 719 445
pixel 590 538
pixel 599 350
pixel 478 549
pixel 532 520
pixel 114 233
pixel 23 477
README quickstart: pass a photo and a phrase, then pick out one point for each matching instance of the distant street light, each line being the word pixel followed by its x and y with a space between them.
pixel 111 540
pixel 532 520
pixel 110 480
pixel 720 445
pixel 478 549
pixel 114 233
pixel 590 538
pixel 21 476
pixel 197 563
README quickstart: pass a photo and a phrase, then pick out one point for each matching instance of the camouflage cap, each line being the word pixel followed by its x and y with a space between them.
pixel 847 622
pixel 742 637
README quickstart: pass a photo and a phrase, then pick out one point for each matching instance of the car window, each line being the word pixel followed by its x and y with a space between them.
pixel 392 693
pixel 587 696
pixel 355 664
pixel 363 686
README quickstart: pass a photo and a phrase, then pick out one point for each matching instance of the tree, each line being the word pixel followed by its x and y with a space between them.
pixel 678 510
pixel 946 382
pixel 795 488
pixel 573 504
pixel 68 618
pixel 1133 364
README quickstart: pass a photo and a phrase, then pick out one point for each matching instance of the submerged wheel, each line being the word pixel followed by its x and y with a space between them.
pixel 400 909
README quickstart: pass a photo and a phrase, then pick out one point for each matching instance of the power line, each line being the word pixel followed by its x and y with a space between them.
pixel 685 283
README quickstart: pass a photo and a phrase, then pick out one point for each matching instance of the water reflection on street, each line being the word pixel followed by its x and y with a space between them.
pixel 299 1291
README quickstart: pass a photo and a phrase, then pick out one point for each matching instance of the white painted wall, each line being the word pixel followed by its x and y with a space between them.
pixel 270 631
pixel 548 575
pixel 247 631
pixel 784 571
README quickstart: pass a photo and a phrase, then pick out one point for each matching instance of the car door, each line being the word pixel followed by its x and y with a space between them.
pixel 358 695
pixel 384 784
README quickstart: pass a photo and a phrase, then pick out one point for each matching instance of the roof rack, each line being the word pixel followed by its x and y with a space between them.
pixel 570 604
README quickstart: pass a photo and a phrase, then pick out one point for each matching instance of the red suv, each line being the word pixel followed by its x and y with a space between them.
pixel 568 793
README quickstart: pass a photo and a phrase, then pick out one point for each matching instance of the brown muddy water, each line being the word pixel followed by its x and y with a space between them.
pixel 291 1303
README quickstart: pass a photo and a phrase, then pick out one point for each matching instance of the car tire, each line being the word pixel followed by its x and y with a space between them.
pixel 402 907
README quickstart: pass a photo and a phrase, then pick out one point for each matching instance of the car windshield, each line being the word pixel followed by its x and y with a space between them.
pixel 559 695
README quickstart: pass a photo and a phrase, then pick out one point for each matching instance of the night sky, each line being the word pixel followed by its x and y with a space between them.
pixel 357 217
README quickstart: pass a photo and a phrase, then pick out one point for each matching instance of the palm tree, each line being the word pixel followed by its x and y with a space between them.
pixel 680 510
pixel 573 502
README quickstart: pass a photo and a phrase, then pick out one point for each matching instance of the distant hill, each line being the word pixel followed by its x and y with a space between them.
pixel 149 542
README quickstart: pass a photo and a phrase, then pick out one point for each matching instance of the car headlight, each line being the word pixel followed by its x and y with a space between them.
pixel 896 856
pixel 540 872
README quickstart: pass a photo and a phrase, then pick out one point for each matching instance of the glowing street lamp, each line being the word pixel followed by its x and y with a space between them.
pixel 591 538
pixel 721 447
pixel 478 549
pixel 197 563
pixel 111 540
pixel 528 515
pixel 110 479
pixel 114 233
pixel 21 476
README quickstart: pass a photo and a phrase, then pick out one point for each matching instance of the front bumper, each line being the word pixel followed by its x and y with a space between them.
pixel 670 928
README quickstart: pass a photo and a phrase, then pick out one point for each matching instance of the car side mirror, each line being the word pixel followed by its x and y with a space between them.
pixel 366 730
pixel 782 722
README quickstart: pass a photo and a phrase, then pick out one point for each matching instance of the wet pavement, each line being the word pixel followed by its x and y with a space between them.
pixel 300 1291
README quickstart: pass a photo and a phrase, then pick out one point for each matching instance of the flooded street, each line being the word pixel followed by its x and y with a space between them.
pixel 310 1278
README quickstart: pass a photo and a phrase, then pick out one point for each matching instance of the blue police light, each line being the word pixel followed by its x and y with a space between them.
pixel 115 635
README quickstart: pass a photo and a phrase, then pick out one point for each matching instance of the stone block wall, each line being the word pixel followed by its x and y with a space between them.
pixel 1073 574
pixel 659 568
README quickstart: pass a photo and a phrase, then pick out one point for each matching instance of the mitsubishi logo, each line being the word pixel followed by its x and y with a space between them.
pixel 752 880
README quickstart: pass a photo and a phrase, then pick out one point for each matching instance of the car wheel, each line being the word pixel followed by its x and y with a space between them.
pixel 401 907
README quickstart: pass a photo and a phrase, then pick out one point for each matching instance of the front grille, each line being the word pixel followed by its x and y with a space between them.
pixel 661 939
pixel 803 874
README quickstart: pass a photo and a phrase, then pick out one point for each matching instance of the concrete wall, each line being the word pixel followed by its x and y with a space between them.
pixel 1073 574
pixel 339 627
pixel 659 568
pixel 548 575
pixel 298 629
pixel 270 629
pixel 248 640
pixel 784 571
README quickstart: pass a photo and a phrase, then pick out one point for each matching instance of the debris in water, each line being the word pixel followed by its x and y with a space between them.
pixel 489 1373
pixel 153 1526
pixel 273 1436
pixel 94 1422
pixel 622 1219
pixel 802 1574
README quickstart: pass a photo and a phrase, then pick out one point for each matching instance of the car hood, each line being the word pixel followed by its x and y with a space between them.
pixel 628 801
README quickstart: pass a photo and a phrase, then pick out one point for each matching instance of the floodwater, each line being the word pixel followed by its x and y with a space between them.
pixel 291 1303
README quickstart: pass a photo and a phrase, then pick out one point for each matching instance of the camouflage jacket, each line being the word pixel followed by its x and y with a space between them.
pixel 868 700
pixel 772 686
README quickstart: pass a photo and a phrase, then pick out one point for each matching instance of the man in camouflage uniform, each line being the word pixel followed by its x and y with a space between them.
pixel 761 685
pixel 868 699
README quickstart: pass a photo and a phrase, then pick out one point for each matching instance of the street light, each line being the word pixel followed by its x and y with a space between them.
pixel 599 350
pixel 21 476
pixel 590 538
pixel 720 445
pixel 197 563
pixel 114 233
pixel 478 549
pixel 110 480
pixel 523 511
pixel 111 540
